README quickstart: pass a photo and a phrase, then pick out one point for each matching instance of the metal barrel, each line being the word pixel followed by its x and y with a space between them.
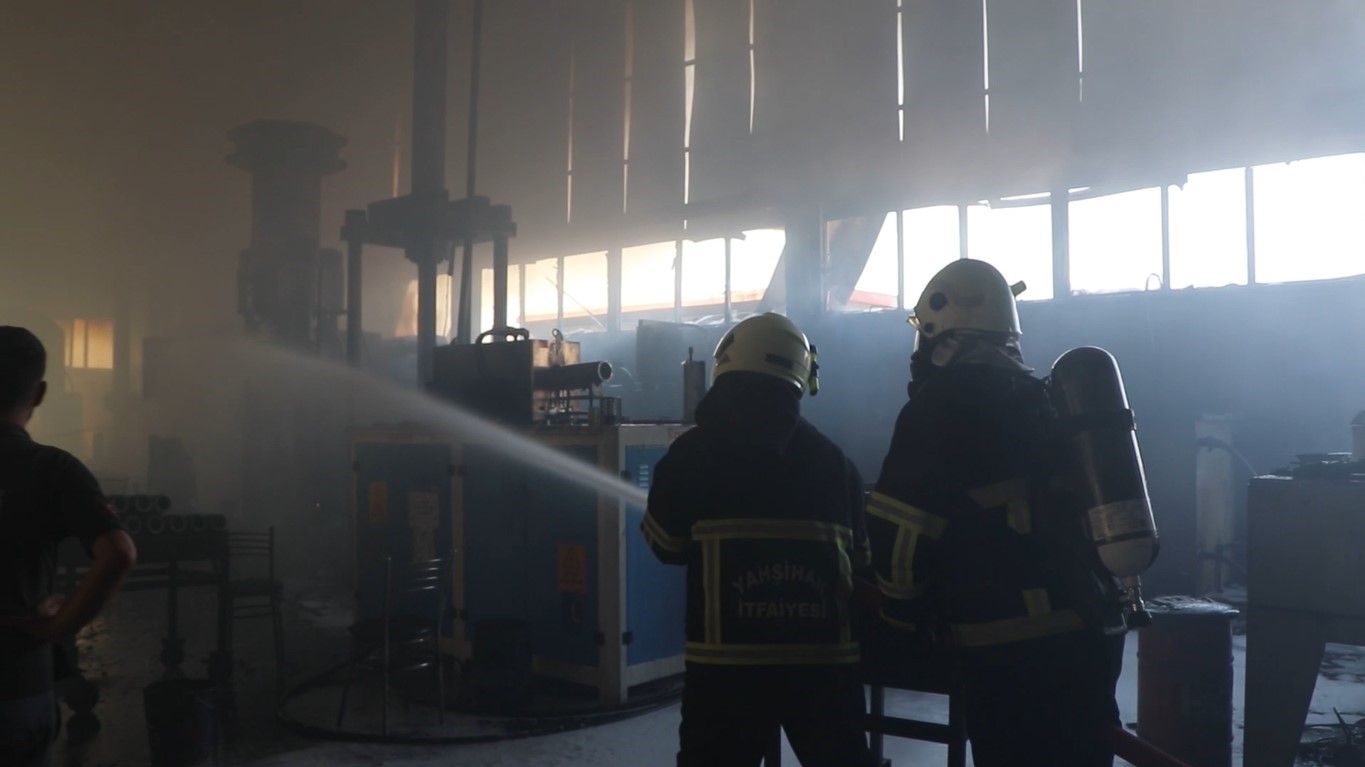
pixel 562 377
pixel 1185 680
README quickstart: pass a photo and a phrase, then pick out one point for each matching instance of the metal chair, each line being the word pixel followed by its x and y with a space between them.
pixel 407 635
pixel 257 593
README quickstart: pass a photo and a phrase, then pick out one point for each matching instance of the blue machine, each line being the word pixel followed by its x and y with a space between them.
pixel 569 562
pixel 404 487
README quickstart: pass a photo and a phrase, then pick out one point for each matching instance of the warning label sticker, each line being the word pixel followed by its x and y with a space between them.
pixel 1114 520
pixel 573 568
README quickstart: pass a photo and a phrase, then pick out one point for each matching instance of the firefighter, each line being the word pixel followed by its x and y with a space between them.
pixel 973 538
pixel 767 516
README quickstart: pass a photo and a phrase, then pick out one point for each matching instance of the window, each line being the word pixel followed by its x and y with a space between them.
pixel 703 275
pixel 585 285
pixel 877 285
pixel 931 243
pixel 90 344
pixel 513 298
pixel 752 263
pixel 1017 241
pixel 1208 230
pixel 1308 222
pixel 647 276
pixel 407 319
pixel 1116 242
pixel 542 291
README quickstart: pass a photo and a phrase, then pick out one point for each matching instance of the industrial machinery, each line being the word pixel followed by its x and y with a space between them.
pixel 520 381
pixel 564 562
pixel 1304 589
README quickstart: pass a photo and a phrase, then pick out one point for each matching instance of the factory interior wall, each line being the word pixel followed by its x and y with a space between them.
pixel 1279 359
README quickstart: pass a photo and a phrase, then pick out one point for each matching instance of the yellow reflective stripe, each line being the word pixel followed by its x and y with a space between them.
pixel 903 556
pixel 1013 495
pixel 772 529
pixel 656 535
pixel 772 654
pixel 902 625
pixel 904 515
pixel 903 591
pixel 1036 602
pixel 710 558
pixel 1017 629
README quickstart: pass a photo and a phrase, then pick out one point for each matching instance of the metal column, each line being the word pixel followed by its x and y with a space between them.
pixel 431 22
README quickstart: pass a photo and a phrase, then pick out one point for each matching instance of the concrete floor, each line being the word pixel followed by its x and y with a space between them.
pixel 120 654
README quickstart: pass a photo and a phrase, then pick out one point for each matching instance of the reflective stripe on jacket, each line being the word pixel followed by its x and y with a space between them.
pixel 771 542
pixel 959 520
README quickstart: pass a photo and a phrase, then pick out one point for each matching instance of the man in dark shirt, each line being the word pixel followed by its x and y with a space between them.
pixel 46 496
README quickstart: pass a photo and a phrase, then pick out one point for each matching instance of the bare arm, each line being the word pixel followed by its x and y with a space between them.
pixel 114 555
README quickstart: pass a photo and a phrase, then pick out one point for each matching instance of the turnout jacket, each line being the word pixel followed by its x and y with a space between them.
pixel 967 526
pixel 767 516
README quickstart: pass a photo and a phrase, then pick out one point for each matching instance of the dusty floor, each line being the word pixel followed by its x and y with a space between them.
pixel 121 649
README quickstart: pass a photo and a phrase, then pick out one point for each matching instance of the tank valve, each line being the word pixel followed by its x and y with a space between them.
pixel 1134 610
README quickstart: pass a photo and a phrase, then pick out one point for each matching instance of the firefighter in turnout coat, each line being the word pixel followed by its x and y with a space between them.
pixel 970 543
pixel 767 516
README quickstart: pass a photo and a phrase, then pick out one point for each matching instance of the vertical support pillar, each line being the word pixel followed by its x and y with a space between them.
pixel 677 280
pixel 729 302
pixel 499 281
pixel 1251 226
pixel 1214 505
pixel 464 332
pixel 962 249
pixel 353 232
pixel 1165 236
pixel 1061 243
pixel 614 290
pixel 804 267
pixel 430 29
pixel 900 259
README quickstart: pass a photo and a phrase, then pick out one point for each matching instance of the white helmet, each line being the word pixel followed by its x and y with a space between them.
pixel 967 295
pixel 770 344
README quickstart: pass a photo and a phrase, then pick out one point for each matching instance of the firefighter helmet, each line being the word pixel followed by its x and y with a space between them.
pixel 770 344
pixel 967 295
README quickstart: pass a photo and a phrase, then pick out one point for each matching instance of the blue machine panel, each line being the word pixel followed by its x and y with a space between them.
pixel 402 511
pixel 656 594
pixel 493 512
pixel 531 553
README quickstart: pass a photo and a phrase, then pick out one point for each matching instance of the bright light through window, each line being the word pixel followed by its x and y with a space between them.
pixel 703 274
pixel 1116 242
pixel 931 243
pixel 513 298
pixel 542 291
pixel 585 285
pixel 877 285
pixel 407 319
pixel 647 276
pixel 1017 241
pixel 90 344
pixel 1208 230
pixel 1309 224
pixel 752 263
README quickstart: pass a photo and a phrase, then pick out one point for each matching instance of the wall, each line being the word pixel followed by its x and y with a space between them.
pixel 1282 359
